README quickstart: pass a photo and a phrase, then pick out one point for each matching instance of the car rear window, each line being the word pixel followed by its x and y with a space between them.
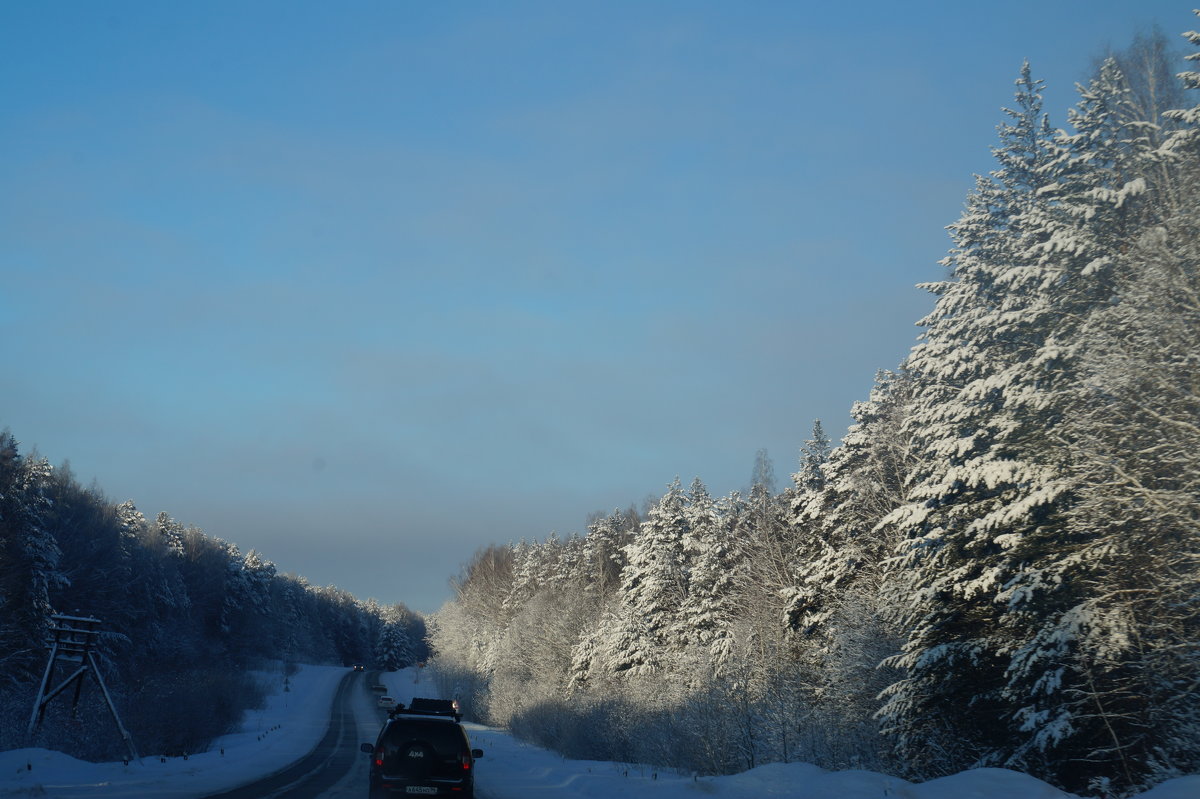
pixel 446 738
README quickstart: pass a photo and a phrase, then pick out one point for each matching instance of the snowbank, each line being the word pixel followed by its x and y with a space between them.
pixel 293 722
pixel 288 727
pixel 513 770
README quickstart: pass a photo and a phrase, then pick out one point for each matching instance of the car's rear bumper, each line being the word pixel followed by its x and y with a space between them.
pixel 406 787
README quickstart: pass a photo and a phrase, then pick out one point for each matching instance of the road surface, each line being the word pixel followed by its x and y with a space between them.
pixel 335 768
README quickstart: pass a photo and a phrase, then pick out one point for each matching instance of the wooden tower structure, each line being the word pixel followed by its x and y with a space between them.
pixel 72 645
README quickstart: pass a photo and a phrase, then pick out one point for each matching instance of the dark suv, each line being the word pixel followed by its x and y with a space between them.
pixel 422 750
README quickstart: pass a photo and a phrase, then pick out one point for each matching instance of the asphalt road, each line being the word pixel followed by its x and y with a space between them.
pixel 335 768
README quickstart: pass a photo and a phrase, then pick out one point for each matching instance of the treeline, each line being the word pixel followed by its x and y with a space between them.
pixel 187 617
pixel 1000 563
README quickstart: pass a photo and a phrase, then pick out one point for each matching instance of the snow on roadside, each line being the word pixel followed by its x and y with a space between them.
pixel 405 684
pixel 511 769
pixel 283 731
pixel 514 770
pixel 293 721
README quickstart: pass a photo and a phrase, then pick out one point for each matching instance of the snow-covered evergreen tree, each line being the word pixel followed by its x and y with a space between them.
pixel 132 523
pixel 641 636
pixel 1031 471
pixel 170 532
pixel 810 479
pixel 864 480
pixel 29 558
pixel 572 569
pixel 550 571
pixel 393 650
pixel 1189 118
pixel 526 574
pixel 1099 685
pixel 990 570
pixel 603 550
pixel 980 483
pixel 1103 196
pixel 1119 649
pixel 712 552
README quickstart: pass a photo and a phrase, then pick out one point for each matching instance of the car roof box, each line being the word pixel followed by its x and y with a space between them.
pixel 433 707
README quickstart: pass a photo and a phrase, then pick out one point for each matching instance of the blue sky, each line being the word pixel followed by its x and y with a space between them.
pixel 367 285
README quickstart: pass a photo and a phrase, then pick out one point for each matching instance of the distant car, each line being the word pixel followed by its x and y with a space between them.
pixel 386 702
pixel 359 667
pixel 423 750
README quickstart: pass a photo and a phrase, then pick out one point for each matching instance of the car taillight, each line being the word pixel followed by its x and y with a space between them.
pixel 379 761
pixel 466 761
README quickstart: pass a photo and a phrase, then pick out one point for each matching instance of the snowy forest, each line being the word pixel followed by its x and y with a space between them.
pixel 999 564
pixel 187 617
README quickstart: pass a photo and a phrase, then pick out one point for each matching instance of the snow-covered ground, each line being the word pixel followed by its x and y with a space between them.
pixel 285 730
pixel 513 770
pixel 294 721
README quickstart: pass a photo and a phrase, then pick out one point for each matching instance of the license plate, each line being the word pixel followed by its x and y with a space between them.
pixel 420 789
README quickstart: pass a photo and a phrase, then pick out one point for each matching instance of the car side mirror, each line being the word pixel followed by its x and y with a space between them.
pixel 368 748
pixel 476 753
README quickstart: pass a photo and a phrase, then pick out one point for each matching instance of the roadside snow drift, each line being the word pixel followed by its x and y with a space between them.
pixel 294 720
